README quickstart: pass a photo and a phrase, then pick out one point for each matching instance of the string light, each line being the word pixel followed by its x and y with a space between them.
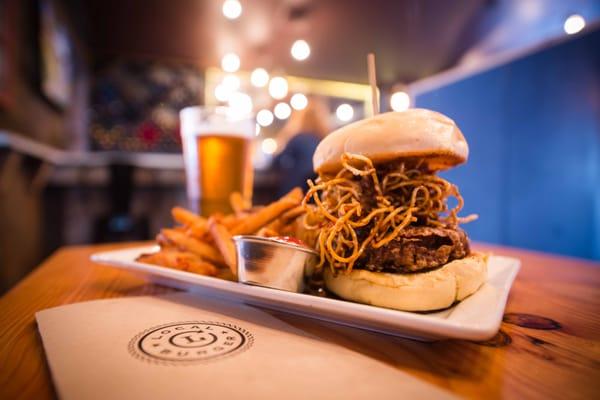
pixel 259 77
pixel 300 50
pixel 230 62
pixel 231 82
pixel 282 110
pixel 400 101
pixel 575 23
pixel 269 146
pixel 222 93
pixel 344 112
pixel 232 9
pixel 240 104
pixel 299 101
pixel 264 117
pixel 278 87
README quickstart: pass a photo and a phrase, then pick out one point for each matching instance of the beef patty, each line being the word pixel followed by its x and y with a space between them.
pixel 416 249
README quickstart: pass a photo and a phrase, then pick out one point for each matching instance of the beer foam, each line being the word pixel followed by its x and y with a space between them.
pixel 221 122
pixel 242 129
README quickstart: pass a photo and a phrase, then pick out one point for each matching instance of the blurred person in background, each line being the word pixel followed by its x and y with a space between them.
pixel 299 139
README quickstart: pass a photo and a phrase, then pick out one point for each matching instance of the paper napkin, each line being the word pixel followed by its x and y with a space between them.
pixel 182 346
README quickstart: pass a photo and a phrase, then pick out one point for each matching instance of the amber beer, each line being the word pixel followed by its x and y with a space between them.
pixel 224 166
pixel 217 149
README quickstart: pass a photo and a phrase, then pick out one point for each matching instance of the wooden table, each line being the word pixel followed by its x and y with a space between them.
pixel 548 346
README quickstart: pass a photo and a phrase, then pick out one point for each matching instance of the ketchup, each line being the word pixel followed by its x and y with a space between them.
pixel 289 239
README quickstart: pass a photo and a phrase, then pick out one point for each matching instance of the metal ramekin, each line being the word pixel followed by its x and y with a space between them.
pixel 267 262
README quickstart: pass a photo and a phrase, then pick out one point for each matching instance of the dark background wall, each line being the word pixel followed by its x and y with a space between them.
pixel 23 107
pixel 26 111
pixel 533 127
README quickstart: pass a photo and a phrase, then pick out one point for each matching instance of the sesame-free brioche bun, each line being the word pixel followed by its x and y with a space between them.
pixel 416 132
pixel 421 291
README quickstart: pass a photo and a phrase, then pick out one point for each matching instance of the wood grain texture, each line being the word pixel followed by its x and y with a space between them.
pixel 548 346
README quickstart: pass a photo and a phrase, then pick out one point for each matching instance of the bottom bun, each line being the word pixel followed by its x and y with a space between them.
pixel 421 291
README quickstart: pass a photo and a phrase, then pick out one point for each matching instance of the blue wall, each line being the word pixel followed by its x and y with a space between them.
pixel 533 128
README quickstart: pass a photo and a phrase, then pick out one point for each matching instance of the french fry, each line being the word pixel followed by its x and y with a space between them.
pixel 202 268
pixel 229 221
pixel 273 226
pixel 184 261
pixel 225 273
pixel 197 232
pixel 193 245
pixel 282 223
pixel 202 245
pixel 164 242
pixel 292 214
pixel 238 203
pixel 186 217
pixel 257 220
pixel 224 243
pixel 197 225
pixel 265 231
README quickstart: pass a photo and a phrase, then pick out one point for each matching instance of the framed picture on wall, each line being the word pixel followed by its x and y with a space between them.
pixel 56 55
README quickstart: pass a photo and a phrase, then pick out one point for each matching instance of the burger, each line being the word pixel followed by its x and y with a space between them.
pixel 380 215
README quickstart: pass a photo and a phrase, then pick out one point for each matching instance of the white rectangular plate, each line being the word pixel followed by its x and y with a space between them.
pixel 476 318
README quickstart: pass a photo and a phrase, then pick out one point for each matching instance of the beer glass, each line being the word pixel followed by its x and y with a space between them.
pixel 217 150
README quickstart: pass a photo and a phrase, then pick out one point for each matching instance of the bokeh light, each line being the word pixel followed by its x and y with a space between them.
pixel 399 101
pixel 575 23
pixel 269 146
pixel 300 50
pixel 299 101
pixel 240 104
pixel 232 9
pixel 259 77
pixel 264 117
pixel 344 112
pixel 278 87
pixel 230 62
pixel 282 110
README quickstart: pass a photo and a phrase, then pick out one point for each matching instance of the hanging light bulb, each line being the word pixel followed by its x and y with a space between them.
pixel 268 146
pixel 344 112
pixel 240 104
pixel 231 82
pixel 278 87
pixel 300 50
pixel 575 23
pixel 299 101
pixel 264 117
pixel 222 93
pixel 259 77
pixel 230 62
pixel 399 101
pixel 232 9
pixel 282 111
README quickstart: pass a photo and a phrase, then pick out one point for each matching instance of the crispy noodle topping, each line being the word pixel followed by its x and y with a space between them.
pixel 361 207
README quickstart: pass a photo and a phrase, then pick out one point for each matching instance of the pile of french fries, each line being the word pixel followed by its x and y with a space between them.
pixel 205 246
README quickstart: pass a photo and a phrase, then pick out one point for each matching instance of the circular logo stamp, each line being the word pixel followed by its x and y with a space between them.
pixel 186 342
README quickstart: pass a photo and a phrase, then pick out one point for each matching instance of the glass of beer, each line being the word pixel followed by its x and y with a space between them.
pixel 217 150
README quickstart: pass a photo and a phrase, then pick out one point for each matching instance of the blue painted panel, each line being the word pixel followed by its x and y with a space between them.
pixel 481 180
pixel 533 128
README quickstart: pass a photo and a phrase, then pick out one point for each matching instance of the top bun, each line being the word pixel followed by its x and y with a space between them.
pixel 390 136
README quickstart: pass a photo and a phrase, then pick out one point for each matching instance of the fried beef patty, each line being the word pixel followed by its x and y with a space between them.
pixel 416 249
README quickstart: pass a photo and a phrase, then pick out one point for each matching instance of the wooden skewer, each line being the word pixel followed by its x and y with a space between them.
pixel 373 83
